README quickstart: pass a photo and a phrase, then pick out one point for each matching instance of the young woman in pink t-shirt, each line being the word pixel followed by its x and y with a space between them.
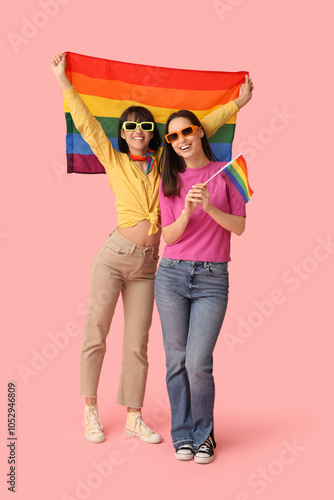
pixel 191 285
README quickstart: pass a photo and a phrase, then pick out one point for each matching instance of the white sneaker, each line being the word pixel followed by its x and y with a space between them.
pixel 93 426
pixel 136 427
pixel 185 452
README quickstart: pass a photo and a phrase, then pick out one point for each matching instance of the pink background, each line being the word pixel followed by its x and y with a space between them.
pixel 273 373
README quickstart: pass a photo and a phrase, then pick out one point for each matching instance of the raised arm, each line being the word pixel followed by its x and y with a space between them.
pixel 221 115
pixel 88 126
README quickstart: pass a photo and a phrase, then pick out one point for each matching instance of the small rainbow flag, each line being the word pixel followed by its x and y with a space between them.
pixel 109 87
pixel 236 172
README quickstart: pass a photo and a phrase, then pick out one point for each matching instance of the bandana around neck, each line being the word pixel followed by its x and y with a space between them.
pixel 150 157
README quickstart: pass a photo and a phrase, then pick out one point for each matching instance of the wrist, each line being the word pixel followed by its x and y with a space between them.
pixel 209 209
pixel 63 81
pixel 186 213
pixel 243 99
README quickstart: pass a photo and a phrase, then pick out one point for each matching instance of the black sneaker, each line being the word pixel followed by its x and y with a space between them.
pixel 204 454
pixel 185 452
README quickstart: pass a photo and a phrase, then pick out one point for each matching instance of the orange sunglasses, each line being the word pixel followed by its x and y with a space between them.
pixel 173 136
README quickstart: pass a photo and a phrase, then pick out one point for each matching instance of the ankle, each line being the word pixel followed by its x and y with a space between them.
pixel 91 401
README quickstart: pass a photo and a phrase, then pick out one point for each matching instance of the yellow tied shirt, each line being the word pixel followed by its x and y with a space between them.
pixel 136 193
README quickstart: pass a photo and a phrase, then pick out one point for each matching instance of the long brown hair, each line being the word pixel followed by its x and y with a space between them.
pixel 171 164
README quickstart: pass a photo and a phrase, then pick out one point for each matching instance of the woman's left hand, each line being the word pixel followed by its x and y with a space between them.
pixel 200 194
pixel 246 90
pixel 247 87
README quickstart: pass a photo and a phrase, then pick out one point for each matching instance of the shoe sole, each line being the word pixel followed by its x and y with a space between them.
pixel 206 460
pixel 95 439
pixel 156 440
pixel 184 458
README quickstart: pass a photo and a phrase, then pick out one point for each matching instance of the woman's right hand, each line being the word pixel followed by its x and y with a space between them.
pixel 175 230
pixel 58 64
pixel 190 204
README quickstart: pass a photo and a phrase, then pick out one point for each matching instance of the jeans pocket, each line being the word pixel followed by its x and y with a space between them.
pixel 217 268
pixel 166 263
pixel 116 249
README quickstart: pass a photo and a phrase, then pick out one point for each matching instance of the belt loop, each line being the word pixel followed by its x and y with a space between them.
pixel 132 249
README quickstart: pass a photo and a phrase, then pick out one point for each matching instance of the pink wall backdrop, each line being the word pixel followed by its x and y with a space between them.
pixel 273 361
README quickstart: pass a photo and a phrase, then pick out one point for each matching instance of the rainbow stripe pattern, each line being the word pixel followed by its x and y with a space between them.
pixel 236 171
pixel 109 87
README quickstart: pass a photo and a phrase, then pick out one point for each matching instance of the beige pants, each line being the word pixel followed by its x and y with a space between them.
pixel 120 267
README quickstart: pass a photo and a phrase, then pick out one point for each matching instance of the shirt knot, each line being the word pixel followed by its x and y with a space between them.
pixel 154 218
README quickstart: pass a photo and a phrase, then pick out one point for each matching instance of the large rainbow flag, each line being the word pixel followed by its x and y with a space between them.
pixel 109 87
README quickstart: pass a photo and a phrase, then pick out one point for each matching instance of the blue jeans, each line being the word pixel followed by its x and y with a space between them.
pixel 191 298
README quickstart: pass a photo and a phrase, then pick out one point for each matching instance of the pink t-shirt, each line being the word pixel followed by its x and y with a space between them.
pixel 204 239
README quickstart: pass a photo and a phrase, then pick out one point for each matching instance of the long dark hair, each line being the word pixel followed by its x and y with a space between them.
pixel 171 164
pixel 140 114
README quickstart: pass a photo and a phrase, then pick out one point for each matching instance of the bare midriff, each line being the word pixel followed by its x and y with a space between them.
pixel 139 234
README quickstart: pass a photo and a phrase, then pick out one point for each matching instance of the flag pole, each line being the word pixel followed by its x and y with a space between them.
pixel 227 164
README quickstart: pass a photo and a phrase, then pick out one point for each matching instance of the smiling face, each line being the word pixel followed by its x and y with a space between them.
pixel 187 147
pixel 137 140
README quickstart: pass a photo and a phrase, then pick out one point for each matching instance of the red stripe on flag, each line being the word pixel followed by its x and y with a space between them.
pixel 154 76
